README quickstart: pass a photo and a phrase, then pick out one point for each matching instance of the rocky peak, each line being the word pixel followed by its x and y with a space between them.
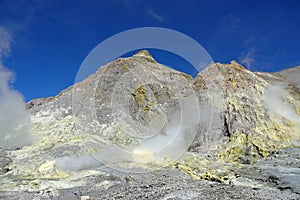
pixel 143 53
pixel 236 65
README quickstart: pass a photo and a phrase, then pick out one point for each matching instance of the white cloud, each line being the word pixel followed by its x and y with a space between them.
pixel 248 58
pixel 155 15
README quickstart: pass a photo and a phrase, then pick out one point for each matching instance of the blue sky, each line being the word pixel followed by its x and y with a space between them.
pixel 52 38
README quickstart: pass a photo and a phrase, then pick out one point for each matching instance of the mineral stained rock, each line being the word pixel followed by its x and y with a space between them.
pixel 236 133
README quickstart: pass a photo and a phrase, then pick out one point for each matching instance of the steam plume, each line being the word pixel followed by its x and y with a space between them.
pixel 14 126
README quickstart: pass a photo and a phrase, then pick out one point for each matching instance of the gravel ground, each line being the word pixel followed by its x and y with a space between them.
pixel 276 177
pixel 163 185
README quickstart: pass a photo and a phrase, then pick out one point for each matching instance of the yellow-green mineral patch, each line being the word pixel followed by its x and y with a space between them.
pixel 258 143
pixel 140 95
pixel 205 169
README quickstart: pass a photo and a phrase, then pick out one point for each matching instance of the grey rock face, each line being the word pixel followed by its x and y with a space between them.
pixel 5 160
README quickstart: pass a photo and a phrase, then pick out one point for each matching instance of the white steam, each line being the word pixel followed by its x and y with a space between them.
pixel 108 155
pixel 276 103
pixel 178 136
pixel 14 126
pixel 170 143
pixel 73 162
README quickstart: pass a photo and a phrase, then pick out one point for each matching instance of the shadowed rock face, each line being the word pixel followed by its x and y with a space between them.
pixel 244 118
